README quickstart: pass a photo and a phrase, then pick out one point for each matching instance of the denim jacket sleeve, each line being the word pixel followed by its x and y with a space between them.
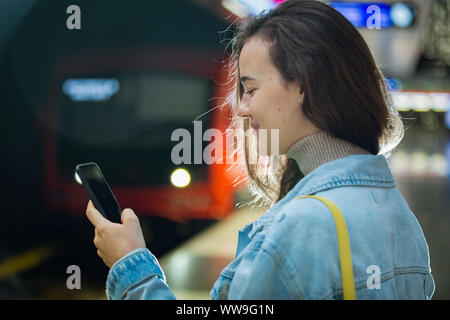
pixel 137 276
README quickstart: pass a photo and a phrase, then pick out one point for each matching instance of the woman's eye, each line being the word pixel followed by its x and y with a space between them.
pixel 250 91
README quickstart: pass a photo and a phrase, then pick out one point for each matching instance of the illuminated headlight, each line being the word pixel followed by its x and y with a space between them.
pixel 77 178
pixel 180 178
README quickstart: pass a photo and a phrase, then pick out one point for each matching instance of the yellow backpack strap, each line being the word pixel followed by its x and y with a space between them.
pixel 345 255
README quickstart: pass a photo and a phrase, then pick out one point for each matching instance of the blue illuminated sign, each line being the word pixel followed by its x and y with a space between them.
pixel 374 15
pixel 371 15
pixel 393 84
pixel 90 89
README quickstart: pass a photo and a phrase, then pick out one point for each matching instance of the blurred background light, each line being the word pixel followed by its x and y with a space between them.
pixel 437 165
pixel 393 83
pixel 180 178
pixel 421 101
pixel 402 15
pixel 419 164
pixel 447 156
pixel 359 14
pixel 447 118
pixel 90 89
pixel 236 7
pixel 401 101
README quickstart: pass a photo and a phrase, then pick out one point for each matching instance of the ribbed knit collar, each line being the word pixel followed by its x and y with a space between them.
pixel 314 150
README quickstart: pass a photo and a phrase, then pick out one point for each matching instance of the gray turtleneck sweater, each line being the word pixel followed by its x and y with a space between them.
pixel 319 148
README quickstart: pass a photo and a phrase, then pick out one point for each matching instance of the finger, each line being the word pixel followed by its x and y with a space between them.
pixel 94 216
pixel 96 240
pixel 128 216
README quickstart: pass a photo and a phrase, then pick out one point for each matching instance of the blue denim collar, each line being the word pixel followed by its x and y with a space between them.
pixel 354 170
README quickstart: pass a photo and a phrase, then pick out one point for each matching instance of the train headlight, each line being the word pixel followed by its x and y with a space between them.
pixel 180 178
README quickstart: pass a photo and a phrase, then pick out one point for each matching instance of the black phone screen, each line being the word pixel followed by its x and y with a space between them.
pixel 99 191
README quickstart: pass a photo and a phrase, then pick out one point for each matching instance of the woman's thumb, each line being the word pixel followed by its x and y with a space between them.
pixel 128 216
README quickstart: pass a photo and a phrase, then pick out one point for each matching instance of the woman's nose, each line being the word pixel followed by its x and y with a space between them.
pixel 243 110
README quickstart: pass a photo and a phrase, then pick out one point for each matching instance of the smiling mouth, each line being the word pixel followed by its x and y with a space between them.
pixel 255 126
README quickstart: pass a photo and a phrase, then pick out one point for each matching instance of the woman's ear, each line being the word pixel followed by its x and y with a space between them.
pixel 300 92
pixel 301 87
pixel 301 97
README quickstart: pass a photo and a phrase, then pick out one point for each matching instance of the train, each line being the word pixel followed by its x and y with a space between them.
pixel 113 91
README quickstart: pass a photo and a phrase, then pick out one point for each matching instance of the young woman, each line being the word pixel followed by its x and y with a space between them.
pixel 304 70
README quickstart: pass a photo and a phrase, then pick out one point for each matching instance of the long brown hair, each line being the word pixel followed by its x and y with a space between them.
pixel 344 90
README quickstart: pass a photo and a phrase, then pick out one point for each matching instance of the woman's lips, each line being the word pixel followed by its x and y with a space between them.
pixel 255 126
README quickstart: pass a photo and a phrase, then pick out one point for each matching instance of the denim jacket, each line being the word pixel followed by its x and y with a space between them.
pixel 291 251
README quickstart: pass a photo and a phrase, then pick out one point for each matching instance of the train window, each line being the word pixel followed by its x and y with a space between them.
pixel 124 122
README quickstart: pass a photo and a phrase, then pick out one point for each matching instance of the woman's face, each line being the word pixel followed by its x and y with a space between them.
pixel 268 100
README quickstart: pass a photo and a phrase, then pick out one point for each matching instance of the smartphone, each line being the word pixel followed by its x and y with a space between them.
pixel 99 191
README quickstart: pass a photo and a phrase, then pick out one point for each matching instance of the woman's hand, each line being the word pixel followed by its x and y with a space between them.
pixel 114 240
